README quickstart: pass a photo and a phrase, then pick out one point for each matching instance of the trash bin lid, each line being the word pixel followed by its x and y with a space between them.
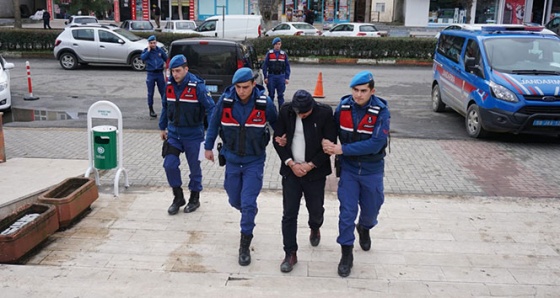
pixel 104 128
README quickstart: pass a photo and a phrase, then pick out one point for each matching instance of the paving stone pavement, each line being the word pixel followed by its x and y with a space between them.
pixel 413 166
pixel 441 246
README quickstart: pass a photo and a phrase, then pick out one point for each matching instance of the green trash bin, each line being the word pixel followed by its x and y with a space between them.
pixel 105 147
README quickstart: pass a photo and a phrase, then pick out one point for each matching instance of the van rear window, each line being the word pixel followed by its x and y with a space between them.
pixel 208 59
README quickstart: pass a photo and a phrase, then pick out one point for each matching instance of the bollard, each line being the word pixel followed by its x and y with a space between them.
pixel 29 86
pixel 2 148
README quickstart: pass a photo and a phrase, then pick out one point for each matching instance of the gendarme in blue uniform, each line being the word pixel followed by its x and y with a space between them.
pixel 155 63
pixel 362 164
pixel 276 69
pixel 182 114
pixel 244 147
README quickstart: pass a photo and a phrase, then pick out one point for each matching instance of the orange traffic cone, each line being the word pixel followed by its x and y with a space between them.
pixel 318 93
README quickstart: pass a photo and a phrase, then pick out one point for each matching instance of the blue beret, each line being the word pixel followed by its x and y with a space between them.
pixel 302 102
pixel 276 40
pixel 363 77
pixel 243 74
pixel 178 61
pixel 152 38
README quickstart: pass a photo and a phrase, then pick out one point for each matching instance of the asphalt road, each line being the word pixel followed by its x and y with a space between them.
pixel 66 94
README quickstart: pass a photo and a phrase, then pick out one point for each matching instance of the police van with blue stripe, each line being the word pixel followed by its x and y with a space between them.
pixel 502 78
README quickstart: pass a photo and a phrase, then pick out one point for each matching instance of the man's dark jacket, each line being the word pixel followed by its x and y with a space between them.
pixel 317 126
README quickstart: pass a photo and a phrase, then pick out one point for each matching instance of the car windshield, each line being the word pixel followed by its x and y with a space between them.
pixel 141 25
pixel 524 55
pixel 127 34
pixel 303 26
pixel 185 25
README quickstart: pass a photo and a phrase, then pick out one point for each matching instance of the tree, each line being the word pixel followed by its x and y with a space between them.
pixel 266 8
pixel 17 14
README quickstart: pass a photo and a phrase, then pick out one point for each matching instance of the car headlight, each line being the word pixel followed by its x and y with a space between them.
pixel 3 86
pixel 503 93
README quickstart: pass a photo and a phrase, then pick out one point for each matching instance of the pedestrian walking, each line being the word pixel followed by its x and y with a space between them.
pixel 154 57
pixel 302 124
pixel 276 71
pixel 242 118
pixel 157 14
pixel 46 19
pixel 182 130
pixel 363 128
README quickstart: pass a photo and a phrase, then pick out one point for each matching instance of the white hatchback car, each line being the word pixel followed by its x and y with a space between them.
pixel 5 95
pixel 98 43
pixel 179 26
pixel 355 30
pixel 293 28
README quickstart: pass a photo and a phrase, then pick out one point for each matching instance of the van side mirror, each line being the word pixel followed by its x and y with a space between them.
pixel 472 67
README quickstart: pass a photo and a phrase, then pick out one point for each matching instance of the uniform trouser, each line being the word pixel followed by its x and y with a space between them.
pixel 152 79
pixel 292 189
pixel 171 164
pixel 276 83
pixel 363 191
pixel 243 183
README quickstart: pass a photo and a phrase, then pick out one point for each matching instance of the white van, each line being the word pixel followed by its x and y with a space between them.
pixel 237 27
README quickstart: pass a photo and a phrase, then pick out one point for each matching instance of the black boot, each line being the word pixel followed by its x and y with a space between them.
pixel 178 201
pixel 152 113
pixel 194 202
pixel 244 250
pixel 347 260
pixel 365 239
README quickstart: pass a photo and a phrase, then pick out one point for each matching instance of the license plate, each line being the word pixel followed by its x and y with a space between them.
pixel 212 88
pixel 546 123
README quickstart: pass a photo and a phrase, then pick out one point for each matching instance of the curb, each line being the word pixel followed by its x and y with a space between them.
pixel 303 60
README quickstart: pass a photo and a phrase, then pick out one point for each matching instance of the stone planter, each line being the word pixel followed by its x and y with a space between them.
pixel 71 197
pixel 16 244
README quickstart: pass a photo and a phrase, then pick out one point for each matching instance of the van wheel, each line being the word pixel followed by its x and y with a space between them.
pixel 137 63
pixel 437 104
pixel 68 61
pixel 473 122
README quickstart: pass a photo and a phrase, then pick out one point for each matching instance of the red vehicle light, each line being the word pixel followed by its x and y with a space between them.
pixel 299 33
pixel 57 42
pixel 205 42
pixel 240 63
pixel 361 34
pixel 260 31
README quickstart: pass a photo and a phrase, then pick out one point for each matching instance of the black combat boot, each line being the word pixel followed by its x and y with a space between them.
pixel 194 202
pixel 365 239
pixel 178 201
pixel 347 260
pixel 152 113
pixel 245 250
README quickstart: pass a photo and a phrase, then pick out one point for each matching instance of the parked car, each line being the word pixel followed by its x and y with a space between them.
pixel 179 26
pixel 501 78
pixel 5 95
pixel 99 44
pixel 554 25
pixel 81 20
pixel 216 60
pixel 138 26
pixel 355 30
pixel 293 28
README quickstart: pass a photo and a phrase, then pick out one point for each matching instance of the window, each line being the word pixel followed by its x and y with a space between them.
pixel 473 52
pixel 450 46
pixel 106 36
pixel 83 34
